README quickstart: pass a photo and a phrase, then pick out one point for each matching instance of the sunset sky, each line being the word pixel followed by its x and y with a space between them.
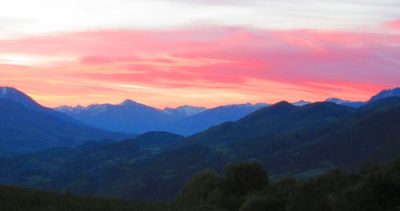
pixel 198 52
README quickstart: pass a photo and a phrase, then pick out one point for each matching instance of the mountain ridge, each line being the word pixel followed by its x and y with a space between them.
pixel 386 93
pixel 28 126
pixel 18 96
pixel 185 120
pixel 130 116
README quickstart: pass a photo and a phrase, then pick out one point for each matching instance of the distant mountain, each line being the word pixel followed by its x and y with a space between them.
pixel 301 103
pixel 130 116
pixel 156 142
pixel 19 97
pixel 185 111
pixel 385 94
pixel 277 120
pixel 353 104
pixel 27 126
pixel 133 117
pixel 15 95
pixel 212 117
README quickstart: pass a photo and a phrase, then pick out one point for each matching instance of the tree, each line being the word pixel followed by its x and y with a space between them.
pixel 375 190
pixel 243 178
pixel 198 190
pixel 263 203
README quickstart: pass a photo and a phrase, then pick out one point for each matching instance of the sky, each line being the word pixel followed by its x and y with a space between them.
pixel 198 52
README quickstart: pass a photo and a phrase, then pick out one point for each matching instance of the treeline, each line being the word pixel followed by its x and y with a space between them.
pixel 242 187
pixel 246 187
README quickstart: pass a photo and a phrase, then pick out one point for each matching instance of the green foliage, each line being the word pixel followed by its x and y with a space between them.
pixel 371 189
pixel 376 190
pixel 243 178
pixel 200 190
pixel 262 203
pixel 316 194
pixel 228 192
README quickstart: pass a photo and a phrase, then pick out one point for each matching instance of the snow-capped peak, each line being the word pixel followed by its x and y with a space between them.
pixel 353 104
pixel 186 110
pixel 301 103
pixel 337 101
pixel 191 110
pixel 386 93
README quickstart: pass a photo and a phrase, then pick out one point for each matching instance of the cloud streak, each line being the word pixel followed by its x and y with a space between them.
pixel 394 24
pixel 76 15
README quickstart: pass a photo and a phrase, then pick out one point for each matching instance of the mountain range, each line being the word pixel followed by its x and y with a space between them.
pixel 353 104
pixel 299 141
pixel 132 117
pixel 71 126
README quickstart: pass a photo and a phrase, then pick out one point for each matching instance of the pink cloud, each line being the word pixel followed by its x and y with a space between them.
pixel 244 64
pixel 394 24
